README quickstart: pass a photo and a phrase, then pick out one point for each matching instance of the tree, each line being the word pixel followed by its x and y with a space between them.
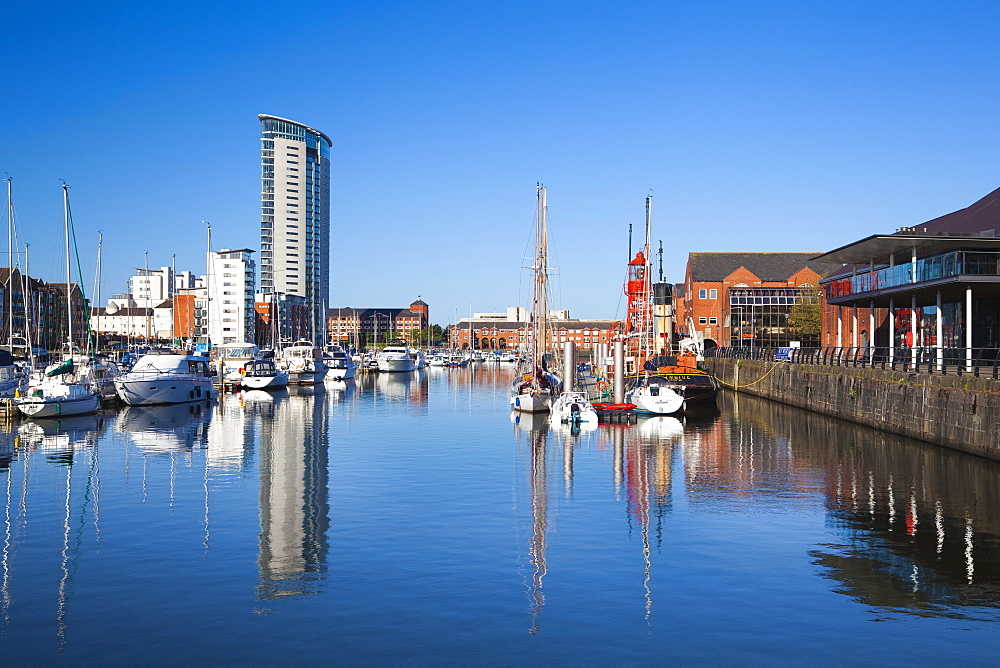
pixel 805 317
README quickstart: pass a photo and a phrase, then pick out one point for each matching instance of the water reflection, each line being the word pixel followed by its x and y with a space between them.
pixel 919 523
pixel 294 496
pixel 166 429
pixel 533 429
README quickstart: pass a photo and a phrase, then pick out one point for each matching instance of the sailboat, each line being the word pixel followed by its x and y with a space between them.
pixel 65 388
pixel 535 386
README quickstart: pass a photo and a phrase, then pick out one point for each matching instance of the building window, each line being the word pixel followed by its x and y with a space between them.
pixel 713 321
pixel 702 321
pixel 713 294
pixel 702 293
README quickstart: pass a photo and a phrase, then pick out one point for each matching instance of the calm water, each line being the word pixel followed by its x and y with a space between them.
pixel 410 520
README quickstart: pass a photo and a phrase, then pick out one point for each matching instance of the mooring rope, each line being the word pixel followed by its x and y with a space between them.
pixel 737 387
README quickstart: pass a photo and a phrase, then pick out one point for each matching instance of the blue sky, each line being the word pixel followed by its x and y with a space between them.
pixel 756 126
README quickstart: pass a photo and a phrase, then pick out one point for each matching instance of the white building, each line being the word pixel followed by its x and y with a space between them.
pixel 148 287
pixel 295 215
pixel 231 281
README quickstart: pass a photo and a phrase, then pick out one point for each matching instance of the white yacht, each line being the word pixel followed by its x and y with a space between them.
pixel 232 358
pixel 395 358
pixel 340 365
pixel 263 374
pixel 303 362
pixel 652 395
pixel 166 377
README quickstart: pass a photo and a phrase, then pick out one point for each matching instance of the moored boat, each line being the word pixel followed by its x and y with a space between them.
pixel 303 362
pixel 263 374
pixel 396 357
pixel 572 407
pixel 340 365
pixel 166 377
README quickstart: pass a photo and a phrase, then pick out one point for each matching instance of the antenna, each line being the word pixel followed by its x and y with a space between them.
pixel 630 241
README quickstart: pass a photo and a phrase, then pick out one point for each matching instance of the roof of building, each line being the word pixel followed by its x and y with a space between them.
pixel 314 131
pixel 372 312
pixel 419 302
pixel 981 216
pixel 769 267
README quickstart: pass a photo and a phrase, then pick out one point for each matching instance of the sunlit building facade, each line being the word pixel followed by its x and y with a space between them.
pixel 295 215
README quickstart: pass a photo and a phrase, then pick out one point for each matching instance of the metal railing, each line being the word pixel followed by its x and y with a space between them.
pixel 977 362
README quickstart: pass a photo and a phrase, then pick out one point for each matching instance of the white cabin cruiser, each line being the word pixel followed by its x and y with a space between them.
pixel 395 358
pixel 263 374
pixel 230 359
pixel 303 362
pixel 339 364
pixel 166 377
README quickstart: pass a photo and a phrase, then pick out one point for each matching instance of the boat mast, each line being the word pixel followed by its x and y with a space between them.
pixel 541 314
pixel 10 270
pixel 69 302
pixel 647 288
pixel 97 290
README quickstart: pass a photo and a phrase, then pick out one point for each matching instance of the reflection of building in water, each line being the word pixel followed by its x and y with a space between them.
pixel 7 435
pixel 920 523
pixel 230 436
pixel 294 499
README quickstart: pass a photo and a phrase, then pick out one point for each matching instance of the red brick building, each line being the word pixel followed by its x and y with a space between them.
pixel 737 299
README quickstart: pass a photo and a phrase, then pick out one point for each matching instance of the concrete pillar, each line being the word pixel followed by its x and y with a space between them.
pixel 913 328
pixel 569 366
pixel 939 334
pixel 913 265
pixel 968 328
pixel 840 326
pixel 619 379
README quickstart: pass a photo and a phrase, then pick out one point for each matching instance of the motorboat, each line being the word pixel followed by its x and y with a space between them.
pixel 231 360
pixel 653 395
pixel 437 360
pixel 61 390
pixel 457 360
pixel 340 365
pixel 263 374
pixel 303 362
pixel 419 361
pixel 572 407
pixel 13 379
pixel 395 357
pixel 166 377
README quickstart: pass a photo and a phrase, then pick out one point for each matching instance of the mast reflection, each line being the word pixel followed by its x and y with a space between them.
pixel 294 498
pixel 535 429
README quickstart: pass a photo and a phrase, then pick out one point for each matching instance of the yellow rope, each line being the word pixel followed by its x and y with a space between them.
pixel 737 387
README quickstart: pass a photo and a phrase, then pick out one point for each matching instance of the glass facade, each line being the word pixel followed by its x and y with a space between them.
pixel 299 225
pixel 759 317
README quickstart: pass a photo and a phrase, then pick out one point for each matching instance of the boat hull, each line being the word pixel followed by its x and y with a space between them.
pixel 573 408
pixel 307 376
pixel 164 391
pixel 274 382
pixel 40 407
pixel 531 402
pixel 655 400
pixel 399 365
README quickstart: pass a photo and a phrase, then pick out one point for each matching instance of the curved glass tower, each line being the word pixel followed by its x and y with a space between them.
pixel 295 216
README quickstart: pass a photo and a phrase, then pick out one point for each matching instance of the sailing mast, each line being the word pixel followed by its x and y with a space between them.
pixel 69 301
pixel 540 301
pixel 10 270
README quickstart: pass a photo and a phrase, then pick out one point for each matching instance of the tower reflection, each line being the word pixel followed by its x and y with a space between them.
pixel 294 499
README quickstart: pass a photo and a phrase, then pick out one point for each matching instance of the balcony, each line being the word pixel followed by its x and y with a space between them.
pixel 947 268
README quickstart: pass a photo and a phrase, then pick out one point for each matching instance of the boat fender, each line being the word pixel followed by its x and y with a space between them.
pixel 243 371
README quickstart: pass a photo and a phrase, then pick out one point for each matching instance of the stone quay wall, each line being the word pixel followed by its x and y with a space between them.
pixel 959 412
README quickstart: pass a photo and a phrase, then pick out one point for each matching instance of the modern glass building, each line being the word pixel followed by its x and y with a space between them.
pixel 295 216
